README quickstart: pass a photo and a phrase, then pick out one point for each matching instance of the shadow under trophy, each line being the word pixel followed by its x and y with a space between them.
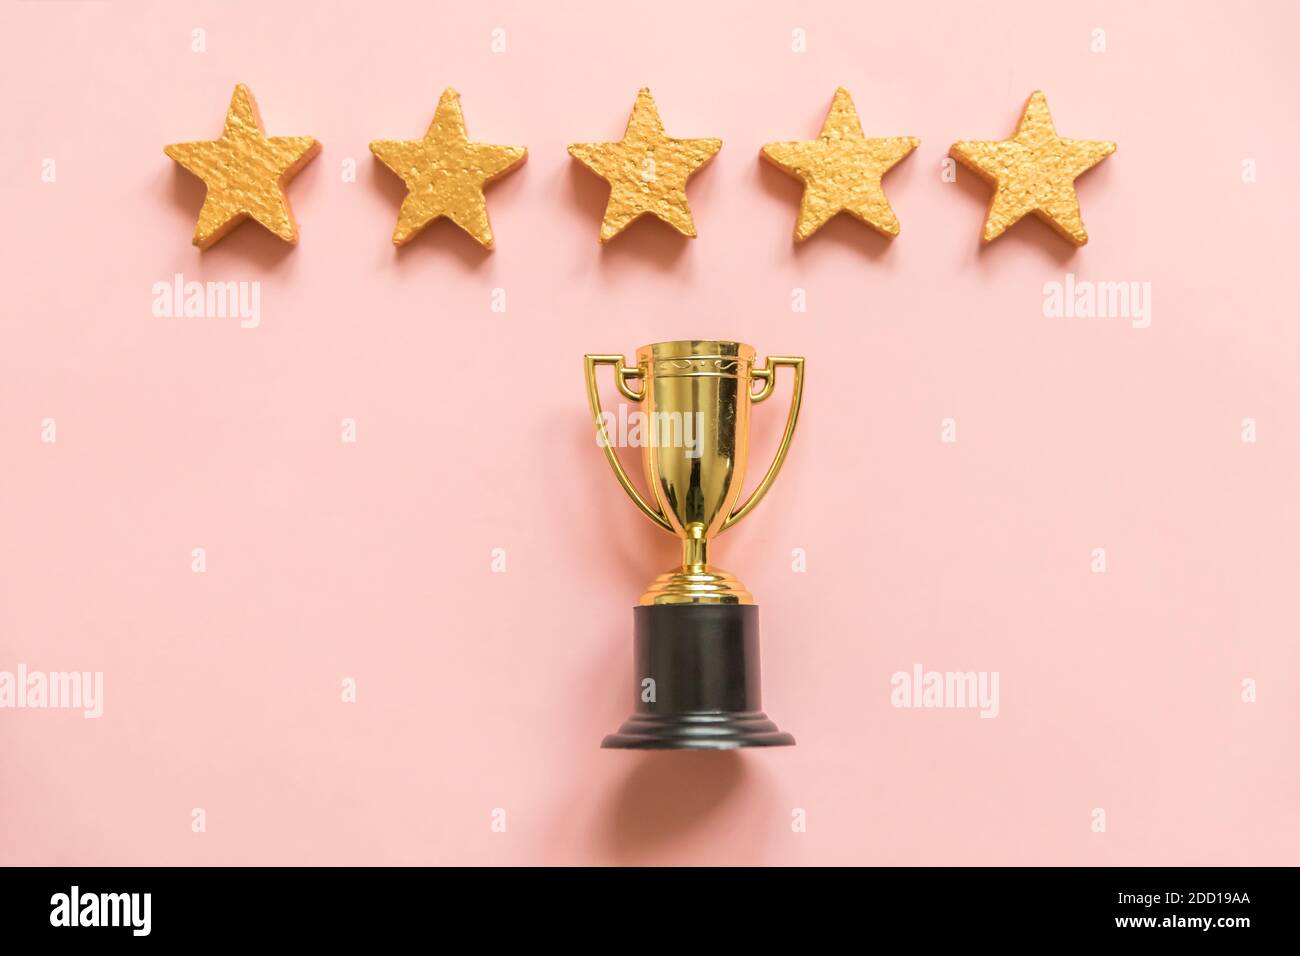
pixel 695 644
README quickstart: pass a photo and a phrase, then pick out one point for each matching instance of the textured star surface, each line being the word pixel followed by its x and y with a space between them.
pixel 646 171
pixel 841 171
pixel 245 172
pixel 445 174
pixel 1034 171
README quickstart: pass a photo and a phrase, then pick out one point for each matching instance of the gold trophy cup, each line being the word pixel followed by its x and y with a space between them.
pixel 695 644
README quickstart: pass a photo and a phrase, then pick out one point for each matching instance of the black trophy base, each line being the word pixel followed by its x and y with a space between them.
pixel 697 681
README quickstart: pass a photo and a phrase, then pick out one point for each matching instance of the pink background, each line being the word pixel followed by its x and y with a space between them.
pixel 481 690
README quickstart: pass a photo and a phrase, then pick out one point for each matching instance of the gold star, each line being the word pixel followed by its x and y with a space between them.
pixel 245 173
pixel 647 171
pixel 841 171
pixel 1034 171
pixel 445 174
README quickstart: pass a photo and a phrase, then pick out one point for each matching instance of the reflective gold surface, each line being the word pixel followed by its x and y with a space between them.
pixel 1033 172
pixel 701 392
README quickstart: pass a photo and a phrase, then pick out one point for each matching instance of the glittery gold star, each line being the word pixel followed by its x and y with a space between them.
pixel 841 170
pixel 245 172
pixel 647 171
pixel 1034 171
pixel 445 174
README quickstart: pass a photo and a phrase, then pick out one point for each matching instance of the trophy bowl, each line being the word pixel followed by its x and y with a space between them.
pixel 695 635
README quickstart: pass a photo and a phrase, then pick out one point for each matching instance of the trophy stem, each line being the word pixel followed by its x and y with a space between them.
pixel 695 547
pixel 696 581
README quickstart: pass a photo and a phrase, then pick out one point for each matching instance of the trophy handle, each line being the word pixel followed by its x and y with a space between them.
pixel 768 377
pixel 621 375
